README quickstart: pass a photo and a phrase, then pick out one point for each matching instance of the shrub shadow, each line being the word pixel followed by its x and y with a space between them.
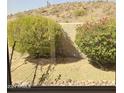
pixel 105 67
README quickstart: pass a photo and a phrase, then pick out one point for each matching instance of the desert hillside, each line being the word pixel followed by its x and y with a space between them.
pixel 73 12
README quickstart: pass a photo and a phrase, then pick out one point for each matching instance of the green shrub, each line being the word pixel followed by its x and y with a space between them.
pixel 98 41
pixel 35 35
pixel 80 12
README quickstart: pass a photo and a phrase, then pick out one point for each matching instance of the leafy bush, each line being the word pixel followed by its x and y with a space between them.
pixel 80 12
pixel 35 35
pixel 98 41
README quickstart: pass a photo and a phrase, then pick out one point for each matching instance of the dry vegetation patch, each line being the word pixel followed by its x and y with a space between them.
pixel 67 11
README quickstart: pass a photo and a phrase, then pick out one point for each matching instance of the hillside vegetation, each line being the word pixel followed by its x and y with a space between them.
pixel 73 12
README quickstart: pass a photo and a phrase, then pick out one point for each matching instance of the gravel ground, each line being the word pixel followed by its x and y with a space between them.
pixel 73 83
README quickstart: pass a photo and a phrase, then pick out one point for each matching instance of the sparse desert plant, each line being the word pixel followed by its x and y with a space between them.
pixel 79 12
pixel 34 35
pixel 66 21
pixel 58 15
pixel 43 11
pixel 98 41
pixel 54 11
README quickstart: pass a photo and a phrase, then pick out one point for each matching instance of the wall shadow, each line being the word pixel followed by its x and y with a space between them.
pixel 67 48
pixel 65 53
